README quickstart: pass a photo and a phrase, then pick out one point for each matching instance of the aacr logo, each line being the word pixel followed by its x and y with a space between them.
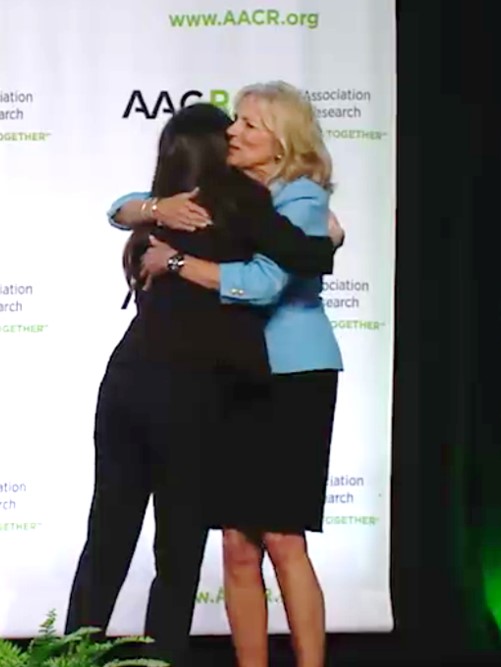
pixel 164 103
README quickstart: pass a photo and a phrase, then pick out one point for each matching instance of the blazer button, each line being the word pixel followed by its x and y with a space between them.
pixel 235 291
pixel 241 292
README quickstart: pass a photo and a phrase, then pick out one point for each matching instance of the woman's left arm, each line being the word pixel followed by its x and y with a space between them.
pixel 258 282
pixel 336 232
pixel 278 235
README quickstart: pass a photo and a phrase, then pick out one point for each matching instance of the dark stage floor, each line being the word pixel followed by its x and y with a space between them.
pixel 350 650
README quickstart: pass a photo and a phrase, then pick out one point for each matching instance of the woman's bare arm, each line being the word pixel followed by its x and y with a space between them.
pixel 134 213
pixel 199 271
pixel 177 212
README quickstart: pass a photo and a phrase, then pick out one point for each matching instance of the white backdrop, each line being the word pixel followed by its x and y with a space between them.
pixel 69 70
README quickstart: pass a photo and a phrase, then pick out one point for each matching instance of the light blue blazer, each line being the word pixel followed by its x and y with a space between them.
pixel 299 336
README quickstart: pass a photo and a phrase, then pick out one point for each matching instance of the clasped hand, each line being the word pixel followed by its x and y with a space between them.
pixel 180 212
pixel 154 261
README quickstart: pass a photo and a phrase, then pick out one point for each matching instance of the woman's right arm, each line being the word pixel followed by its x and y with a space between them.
pixel 125 212
pixel 178 211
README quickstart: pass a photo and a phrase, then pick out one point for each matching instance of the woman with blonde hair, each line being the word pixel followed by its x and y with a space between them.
pixel 273 472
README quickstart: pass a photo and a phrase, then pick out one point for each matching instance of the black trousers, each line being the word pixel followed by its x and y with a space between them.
pixel 151 426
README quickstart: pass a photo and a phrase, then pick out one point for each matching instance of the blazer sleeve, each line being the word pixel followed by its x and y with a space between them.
pixel 272 233
pixel 261 281
pixel 117 205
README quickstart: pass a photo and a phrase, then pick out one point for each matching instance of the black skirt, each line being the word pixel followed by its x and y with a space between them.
pixel 270 469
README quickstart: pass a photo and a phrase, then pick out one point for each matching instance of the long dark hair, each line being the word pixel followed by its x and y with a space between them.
pixel 192 152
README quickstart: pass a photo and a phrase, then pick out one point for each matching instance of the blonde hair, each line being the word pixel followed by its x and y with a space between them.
pixel 291 118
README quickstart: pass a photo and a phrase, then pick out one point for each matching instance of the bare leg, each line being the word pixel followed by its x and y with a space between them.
pixel 302 596
pixel 245 598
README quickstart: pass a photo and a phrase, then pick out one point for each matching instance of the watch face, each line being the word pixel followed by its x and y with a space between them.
pixel 175 263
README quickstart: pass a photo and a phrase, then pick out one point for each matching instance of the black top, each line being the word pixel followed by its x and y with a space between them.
pixel 181 323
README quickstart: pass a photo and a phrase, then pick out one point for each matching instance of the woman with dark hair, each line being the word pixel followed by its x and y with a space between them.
pixel 277 140
pixel 185 362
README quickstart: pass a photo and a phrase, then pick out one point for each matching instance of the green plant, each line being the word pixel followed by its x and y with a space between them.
pixel 74 650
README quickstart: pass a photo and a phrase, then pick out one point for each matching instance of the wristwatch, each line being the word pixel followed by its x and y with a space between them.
pixel 175 263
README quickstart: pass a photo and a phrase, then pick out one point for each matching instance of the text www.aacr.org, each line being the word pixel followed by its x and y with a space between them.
pixel 217 596
pixel 257 17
